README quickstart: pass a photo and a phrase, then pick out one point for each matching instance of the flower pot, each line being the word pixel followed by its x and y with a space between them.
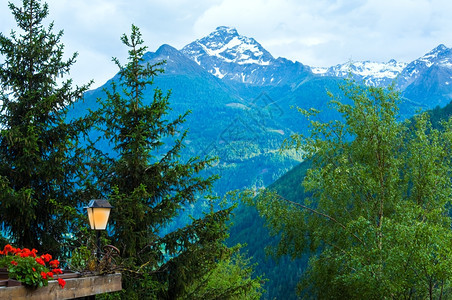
pixel 5 280
pixel 4 273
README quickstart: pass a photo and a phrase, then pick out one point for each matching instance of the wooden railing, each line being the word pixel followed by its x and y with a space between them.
pixel 76 287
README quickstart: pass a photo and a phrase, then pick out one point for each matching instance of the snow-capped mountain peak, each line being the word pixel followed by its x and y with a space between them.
pixel 228 55
pixel 440 54
pixel 225 44
pixel 373 73
pixel 436 52
pixel 232 57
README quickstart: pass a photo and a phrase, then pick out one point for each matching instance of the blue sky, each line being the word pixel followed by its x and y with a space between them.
pixel 314 32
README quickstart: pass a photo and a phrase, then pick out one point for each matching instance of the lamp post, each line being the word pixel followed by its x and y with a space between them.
pixel 98 213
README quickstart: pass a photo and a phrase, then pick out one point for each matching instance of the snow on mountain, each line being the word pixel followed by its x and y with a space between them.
pixel 440 54
pixel 403 74
pixel 228 46
pixel 426 80
pixel 234 58
pixel 372 73
pixel 228 55
pixel 441 57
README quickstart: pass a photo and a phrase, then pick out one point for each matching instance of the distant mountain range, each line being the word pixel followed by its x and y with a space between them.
pixel 426 80
pixel 241 100
pixel 230 56
pixel 372 73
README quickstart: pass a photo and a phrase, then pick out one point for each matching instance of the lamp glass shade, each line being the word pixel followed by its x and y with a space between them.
pixel 98 217
pixel 90 217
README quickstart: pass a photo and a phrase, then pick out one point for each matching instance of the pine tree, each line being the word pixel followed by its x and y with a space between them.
pixel 147 183
pixel 39 156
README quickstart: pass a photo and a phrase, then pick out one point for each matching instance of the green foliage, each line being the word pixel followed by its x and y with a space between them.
pixel 40 159
pixel 437 115
pixel 24 272
pixel 375 221
pixel 230 279
pixel 147 182
pixel 28 268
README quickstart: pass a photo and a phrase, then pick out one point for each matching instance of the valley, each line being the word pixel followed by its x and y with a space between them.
pixel 242 102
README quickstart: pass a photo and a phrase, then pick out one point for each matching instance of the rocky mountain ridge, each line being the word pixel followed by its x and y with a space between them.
pixel 232 57
pixel 373 73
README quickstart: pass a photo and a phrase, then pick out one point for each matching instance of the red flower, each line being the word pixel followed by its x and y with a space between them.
pixel 50 274
pixel 33 252
pixel 61 282
pixel 54 263
pixel 25 252
pixel 34 270
pixel 46 257
pixel 40 261
pixel 44 275
pixel 8 248
pixel 14 263
pixel 57 271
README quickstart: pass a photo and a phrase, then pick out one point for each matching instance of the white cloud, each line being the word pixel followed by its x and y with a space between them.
pixel 318 33
pixel 329 32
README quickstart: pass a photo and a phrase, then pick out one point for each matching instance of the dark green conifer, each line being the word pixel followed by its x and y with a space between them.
pixel 147 182
pixel 39 157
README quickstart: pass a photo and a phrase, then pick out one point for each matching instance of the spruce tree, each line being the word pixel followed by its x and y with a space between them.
pixel 39 156
pixel 146 181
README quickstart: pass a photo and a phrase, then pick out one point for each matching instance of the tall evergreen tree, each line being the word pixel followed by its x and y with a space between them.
pixel 39 158
pixel 147 183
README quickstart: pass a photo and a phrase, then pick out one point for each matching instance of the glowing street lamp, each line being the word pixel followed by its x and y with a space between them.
pixel 98 213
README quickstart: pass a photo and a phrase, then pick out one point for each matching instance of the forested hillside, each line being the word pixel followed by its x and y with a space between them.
pixel 290 187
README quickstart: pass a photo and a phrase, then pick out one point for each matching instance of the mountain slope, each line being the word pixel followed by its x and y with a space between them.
pixel 440 57
pixel 290 187
pixel 241 101
pixel 243 131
